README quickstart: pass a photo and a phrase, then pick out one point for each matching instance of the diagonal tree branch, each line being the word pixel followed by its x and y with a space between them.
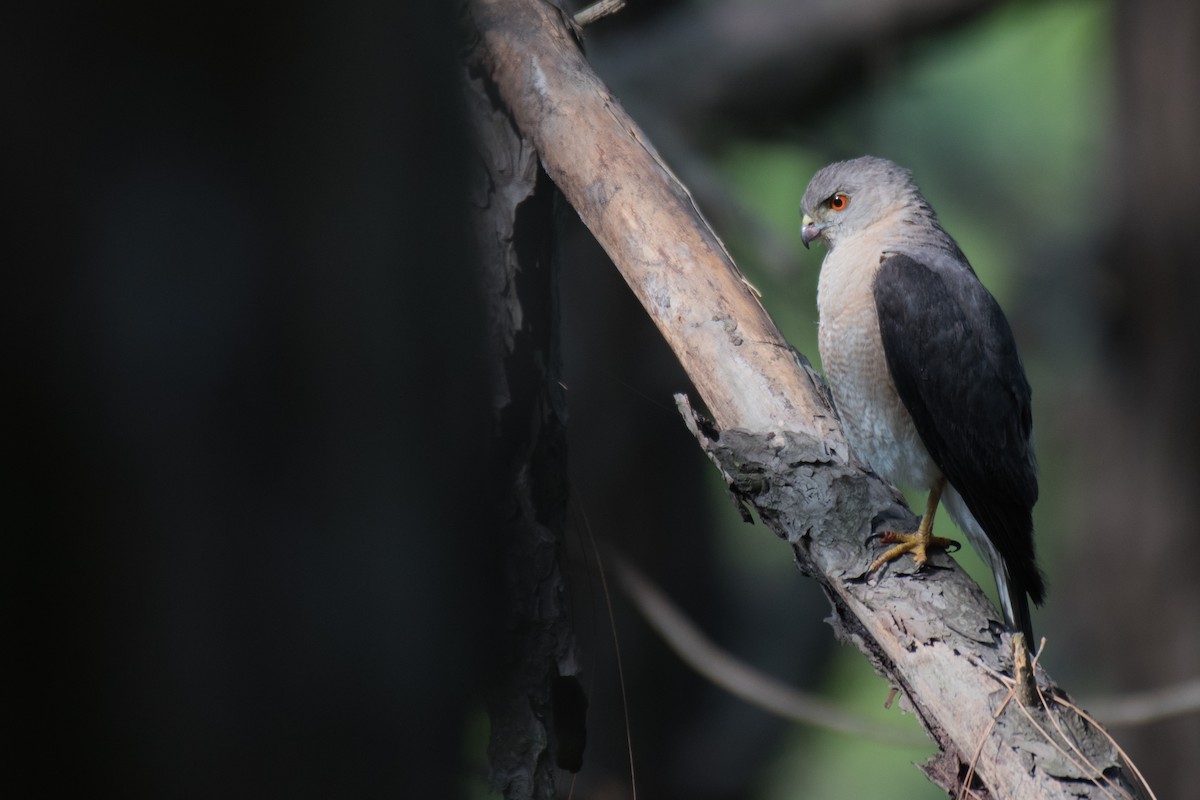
pixel 936 637
pixel 646 221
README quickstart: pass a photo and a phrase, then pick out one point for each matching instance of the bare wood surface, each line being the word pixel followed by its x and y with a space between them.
pixel 936 637
pixel 646 221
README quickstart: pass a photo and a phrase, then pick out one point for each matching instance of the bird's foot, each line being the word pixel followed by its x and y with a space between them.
pixel 918 543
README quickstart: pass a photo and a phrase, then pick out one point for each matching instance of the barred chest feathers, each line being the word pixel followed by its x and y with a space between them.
pixel 878 426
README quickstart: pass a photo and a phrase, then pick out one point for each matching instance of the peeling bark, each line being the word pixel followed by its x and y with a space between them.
pixel 535 690
pixel 932 634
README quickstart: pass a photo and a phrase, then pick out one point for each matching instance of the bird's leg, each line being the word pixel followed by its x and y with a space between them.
pixel 919 541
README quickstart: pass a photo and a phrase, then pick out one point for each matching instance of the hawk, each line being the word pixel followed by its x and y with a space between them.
pixel 924 371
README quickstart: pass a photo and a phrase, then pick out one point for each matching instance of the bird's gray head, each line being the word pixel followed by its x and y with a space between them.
pixel 849 196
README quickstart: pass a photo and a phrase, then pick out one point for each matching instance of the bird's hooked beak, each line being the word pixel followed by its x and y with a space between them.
pixel 810 230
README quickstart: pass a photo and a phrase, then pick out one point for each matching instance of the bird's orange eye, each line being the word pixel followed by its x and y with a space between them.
pixel 839 201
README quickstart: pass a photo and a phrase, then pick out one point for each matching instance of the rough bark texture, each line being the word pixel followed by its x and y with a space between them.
pixel 536 688
pixel 935 636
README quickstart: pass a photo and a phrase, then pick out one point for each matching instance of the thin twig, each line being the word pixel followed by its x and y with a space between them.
pixel 1012 686
pixel 595 11
pixel 1031 682
pixel 1079 760
pixel 1120 750
pixel 1146 707
pixel 966 784
pixel 612 621
pixel 699 653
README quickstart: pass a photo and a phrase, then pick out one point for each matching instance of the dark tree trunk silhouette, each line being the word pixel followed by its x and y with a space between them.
pixel 536 703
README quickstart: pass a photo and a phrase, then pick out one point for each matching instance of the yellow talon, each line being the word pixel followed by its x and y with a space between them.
pixel 921 540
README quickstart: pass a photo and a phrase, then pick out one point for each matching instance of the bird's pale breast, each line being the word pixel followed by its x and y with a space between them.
pixel 875 421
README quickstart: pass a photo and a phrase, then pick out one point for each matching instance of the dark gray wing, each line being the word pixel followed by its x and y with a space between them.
pixel 954 361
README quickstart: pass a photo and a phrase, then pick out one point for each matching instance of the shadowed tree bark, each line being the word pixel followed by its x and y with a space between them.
pixel 536 702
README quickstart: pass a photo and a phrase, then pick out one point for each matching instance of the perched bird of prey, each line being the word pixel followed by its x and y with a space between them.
pixel 924 370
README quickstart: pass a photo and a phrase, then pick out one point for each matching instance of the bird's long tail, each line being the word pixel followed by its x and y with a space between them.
pixel 1014 601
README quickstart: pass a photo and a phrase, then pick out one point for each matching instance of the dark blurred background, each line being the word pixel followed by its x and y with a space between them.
pixel 245 555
